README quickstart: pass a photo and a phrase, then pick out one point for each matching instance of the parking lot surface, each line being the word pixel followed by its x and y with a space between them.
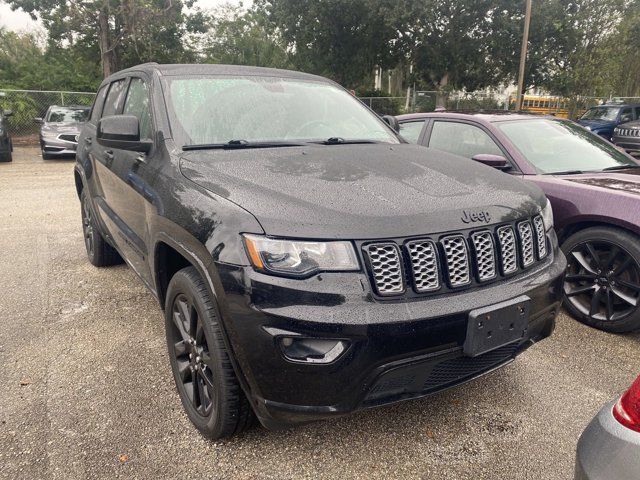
pixel 87 390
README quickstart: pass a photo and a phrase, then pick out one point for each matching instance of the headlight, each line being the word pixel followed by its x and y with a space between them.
pixel 299 257
pixel 547 216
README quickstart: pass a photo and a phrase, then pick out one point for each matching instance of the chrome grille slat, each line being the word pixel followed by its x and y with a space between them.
pixel 386 268
pixel 457 260
pixel 424 265
pixel 541 236
pixel 485 255
pixel 526 243
pixel 508 252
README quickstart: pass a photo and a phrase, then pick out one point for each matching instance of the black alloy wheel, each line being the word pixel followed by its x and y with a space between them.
pixel 99 252
pixel 191 351
pixel 87 225
pixel 205 379
pixel 602 285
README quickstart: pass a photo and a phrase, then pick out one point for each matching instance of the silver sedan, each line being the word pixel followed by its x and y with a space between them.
pixel 60 129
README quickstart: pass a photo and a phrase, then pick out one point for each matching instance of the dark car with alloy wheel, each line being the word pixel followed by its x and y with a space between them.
pixel 310 263
pixel 594 189
pixel 627 137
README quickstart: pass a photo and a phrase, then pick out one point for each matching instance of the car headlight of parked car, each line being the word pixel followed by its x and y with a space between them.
pixel 299 257
pixel 547 216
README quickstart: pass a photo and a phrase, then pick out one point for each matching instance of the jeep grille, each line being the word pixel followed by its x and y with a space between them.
pixel 455 260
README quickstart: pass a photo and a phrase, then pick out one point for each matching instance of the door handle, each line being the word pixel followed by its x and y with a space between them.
pixel 108 155
pixel 87 140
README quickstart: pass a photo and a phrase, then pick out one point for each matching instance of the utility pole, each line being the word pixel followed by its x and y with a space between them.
pixel 523 56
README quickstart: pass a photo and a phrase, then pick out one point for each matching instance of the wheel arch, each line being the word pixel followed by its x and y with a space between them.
pixel 77 177
pixel 582 224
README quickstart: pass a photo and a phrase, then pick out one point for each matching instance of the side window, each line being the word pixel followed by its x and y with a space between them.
pixel 114 97
pixel 137 103
pixel 411 130
pixel 96 110
pixel 626 115
pixel 462 139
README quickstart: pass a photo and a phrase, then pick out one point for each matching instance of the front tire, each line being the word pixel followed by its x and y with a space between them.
pixel 602 285
pixel 99 252
pixel 206 382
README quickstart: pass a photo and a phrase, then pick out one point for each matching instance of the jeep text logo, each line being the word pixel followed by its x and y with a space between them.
pixel 472 217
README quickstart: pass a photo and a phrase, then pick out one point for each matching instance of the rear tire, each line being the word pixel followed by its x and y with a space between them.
pixel 602 286
pixel 207 384
pixel 99 252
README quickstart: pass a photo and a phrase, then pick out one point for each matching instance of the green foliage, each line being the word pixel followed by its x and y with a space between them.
pixel 576 47
pixel 237 37
pixel 341 39
pixel 24 109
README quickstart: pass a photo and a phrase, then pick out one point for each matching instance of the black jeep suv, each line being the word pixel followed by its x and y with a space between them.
pixel 309 262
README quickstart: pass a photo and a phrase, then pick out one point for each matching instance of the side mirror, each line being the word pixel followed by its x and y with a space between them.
pixel 122 132
pixel 626 118
pixel 38 120
pixel 495 161
pixel 392 122
pixel 8 113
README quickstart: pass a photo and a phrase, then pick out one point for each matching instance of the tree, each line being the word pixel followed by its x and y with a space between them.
pixel 24 64
pixel 122 32
pixel 341 39
pixel 241 37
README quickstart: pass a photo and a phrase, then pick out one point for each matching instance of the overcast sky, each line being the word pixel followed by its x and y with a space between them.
pixel 21 21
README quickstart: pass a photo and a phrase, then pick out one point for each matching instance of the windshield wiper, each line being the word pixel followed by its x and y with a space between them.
pixel 567 172
pixel 619 167
pixel 240 144
pixel 342 141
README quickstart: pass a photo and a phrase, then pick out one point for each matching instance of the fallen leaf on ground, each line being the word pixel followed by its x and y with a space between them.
pixel 24 382
pixel 124 458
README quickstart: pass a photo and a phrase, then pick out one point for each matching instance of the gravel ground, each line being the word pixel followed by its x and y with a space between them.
pixel 87 390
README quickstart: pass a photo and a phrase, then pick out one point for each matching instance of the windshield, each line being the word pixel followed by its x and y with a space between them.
pixel 220 109
pixel 601 113
pixel 67 115
pixel 554 146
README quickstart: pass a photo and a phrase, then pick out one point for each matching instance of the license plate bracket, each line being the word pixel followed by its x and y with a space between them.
pixel 497 325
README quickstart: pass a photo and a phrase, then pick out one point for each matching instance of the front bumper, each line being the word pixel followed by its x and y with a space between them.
pixel 607 450
pixel 396 350
pixel 57 147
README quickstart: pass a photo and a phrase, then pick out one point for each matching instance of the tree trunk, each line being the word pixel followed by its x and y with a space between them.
pixel 107 54
pixel 441 96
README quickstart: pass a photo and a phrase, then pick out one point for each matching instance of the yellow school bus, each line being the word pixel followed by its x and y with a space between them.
pixel 544 105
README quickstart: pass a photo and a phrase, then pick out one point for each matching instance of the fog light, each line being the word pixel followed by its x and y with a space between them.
pixel 312 350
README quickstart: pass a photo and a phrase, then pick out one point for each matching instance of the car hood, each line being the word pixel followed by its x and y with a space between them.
pixel 360 191
pixel 596 123
pixel 54 127
pixel 627 181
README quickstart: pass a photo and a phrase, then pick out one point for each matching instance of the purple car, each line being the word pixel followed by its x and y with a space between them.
pixel 594 190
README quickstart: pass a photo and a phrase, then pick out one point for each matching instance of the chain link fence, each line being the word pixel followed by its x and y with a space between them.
pixel 428 101
pixel 27 105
